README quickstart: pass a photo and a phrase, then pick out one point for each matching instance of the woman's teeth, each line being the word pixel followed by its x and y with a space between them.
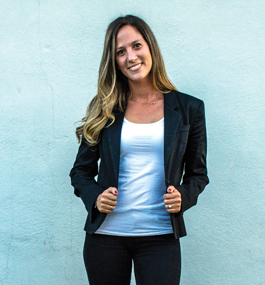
pixel 135 67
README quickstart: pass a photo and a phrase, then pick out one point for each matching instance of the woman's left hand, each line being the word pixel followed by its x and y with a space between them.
pixel 172 200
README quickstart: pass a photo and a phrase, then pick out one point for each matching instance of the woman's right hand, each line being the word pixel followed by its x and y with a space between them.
pixel 107 200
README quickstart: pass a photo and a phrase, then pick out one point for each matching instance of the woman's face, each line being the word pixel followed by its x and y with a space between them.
pixel 133 55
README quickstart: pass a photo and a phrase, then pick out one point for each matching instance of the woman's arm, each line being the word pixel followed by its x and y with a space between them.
pixel 195 172
pixel 83 175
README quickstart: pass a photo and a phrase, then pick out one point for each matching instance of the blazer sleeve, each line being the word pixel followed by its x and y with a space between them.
pixel 195 171
pixel 83 175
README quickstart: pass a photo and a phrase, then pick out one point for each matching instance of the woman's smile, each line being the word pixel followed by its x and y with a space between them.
pixel 135 67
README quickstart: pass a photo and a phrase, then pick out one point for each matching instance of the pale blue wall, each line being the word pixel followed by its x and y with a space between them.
pixel 49 56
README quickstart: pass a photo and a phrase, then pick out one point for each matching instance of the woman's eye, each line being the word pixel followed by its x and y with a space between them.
pixel 137 45
pixel 120 52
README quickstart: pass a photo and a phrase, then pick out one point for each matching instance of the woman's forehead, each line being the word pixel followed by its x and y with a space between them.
pixel 127 35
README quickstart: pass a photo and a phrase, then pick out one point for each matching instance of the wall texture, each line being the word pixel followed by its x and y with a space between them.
pixel 49 57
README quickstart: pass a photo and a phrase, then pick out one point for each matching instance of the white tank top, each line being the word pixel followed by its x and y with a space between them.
pixel 140 209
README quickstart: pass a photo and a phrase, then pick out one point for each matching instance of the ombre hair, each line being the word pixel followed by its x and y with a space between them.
pixel 113 88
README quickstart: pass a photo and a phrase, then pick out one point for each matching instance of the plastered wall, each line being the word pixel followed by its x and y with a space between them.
pixel 49 58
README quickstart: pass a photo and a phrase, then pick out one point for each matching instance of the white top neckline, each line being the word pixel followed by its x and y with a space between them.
pixel 157 122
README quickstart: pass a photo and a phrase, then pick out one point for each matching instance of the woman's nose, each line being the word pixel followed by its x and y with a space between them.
pixel 132 56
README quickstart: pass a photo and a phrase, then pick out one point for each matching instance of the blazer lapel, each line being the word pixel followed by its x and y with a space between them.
pixel 172 120
pixel 114 139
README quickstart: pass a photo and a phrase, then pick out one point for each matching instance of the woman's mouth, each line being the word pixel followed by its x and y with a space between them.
pixel 135 67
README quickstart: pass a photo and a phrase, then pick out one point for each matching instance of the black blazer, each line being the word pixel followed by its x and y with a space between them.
pixel 184 159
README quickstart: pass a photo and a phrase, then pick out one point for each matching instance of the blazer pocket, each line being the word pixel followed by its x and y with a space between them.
pixel 184 128
pixel 178 147
pixel 181 140
pixel 183 133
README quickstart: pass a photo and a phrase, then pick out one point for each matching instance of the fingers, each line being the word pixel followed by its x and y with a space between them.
pixel 107 200
pixel 172 200
pixel 112 190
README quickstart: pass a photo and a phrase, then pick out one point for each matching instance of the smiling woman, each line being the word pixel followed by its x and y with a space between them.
pixel 151 143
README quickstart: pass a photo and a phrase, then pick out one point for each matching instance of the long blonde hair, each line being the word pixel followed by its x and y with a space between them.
pixel 113 88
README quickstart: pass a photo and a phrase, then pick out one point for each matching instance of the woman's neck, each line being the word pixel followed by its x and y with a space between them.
pixel 142 92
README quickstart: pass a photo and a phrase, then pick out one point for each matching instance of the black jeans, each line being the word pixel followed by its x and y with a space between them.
pixel 108 259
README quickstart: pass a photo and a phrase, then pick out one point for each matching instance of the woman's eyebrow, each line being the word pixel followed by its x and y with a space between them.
pixel 133 42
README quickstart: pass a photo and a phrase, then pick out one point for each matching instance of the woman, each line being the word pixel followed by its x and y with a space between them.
pixel 146 135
